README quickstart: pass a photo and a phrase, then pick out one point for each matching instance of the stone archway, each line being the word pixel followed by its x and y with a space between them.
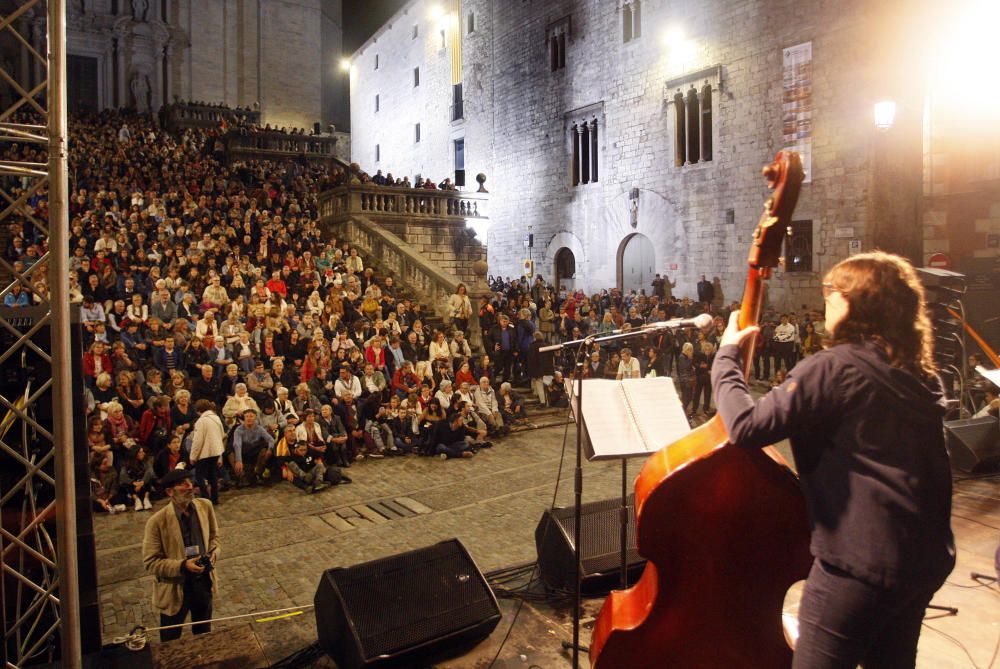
pixel 636 263
pixel 565 269
pixel 561 243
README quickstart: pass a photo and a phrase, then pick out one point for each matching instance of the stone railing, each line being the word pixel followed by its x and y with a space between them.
pixel 394 257
pixel 265 145
pixel 180 116
pixel 410 203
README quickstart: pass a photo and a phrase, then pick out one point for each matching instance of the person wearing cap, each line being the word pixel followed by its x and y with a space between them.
pixel 174 542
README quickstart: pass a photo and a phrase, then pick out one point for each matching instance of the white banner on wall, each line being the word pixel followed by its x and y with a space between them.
pixel 796 102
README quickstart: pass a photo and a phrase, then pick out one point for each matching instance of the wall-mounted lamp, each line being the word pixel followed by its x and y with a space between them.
pixel 885 114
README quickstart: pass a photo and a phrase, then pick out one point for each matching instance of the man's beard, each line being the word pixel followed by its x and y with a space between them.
pixel 183 497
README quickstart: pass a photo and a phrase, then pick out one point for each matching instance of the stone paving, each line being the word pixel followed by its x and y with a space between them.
pixel 277 541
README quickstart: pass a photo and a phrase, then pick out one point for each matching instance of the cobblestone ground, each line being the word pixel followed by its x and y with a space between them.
pixel 277 541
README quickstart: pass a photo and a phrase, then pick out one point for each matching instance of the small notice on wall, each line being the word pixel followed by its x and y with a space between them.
pixel 854 247
pixel 796 102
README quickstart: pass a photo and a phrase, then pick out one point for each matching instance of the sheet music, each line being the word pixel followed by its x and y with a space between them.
pixel 631 417
pixel 992 374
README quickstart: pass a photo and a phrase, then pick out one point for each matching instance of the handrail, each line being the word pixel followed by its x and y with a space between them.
pixel 262 142
pixel 432 285
pixel 342 202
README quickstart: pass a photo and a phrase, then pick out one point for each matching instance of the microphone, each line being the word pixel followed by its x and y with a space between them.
pixel 701 321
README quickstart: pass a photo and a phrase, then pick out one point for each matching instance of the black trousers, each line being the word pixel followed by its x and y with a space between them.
pixel 206 473
pixel 197 602
pixel 844 622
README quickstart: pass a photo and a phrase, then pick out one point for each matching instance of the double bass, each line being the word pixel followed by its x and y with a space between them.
pixel 724 529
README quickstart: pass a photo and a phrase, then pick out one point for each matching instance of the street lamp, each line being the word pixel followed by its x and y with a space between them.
pixel 885 114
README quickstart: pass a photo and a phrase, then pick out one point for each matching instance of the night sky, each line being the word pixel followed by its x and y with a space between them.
pixel 363 17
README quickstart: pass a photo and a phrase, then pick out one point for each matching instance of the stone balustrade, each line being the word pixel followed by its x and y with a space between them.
pixel 410 203
pixel 265 145
pixel 182 115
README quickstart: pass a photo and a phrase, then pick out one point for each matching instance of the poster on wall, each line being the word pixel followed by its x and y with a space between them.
pixel 796 103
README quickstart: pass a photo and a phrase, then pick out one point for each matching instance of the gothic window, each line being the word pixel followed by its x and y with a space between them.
pixel 631 20
pixel 706 122
pixel 799 247
pixel 585 161
pixel 692 125
pixel 680 137
pixel 556 39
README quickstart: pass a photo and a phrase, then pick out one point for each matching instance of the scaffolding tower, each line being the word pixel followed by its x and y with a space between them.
pixel 40 579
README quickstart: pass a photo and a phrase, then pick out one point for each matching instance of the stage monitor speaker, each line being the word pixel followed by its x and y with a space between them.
pixel 600 557
pixel 974 444
pixel 405 610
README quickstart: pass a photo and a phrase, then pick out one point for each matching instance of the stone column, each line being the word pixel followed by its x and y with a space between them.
pixel 477 290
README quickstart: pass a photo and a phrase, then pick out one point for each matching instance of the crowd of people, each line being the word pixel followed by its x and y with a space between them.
pixel 537 315
pixel 226 333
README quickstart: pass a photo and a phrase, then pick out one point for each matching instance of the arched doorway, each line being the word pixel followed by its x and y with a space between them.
pixel 565 269
pixel 636 260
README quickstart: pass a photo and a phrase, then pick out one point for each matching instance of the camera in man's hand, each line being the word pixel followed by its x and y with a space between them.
pixel 205 562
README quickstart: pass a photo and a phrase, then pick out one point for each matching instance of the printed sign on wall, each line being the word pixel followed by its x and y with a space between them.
pixel 796 103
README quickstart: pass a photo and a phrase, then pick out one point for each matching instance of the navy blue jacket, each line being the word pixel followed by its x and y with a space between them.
pixel 868 442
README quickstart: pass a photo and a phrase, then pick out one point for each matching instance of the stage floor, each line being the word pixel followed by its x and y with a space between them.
pixel 277 541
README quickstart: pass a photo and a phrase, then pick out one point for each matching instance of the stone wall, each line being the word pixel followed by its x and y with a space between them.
pixel 518 114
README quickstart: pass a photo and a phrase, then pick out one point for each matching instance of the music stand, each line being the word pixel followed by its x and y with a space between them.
pixel 651 429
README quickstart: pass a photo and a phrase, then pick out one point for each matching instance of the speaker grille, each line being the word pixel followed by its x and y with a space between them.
pixel 406 601
pixel 600 555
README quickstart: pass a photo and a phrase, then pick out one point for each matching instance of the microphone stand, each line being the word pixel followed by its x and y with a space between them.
pixel 583 345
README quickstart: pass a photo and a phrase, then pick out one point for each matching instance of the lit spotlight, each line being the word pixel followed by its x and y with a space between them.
pixel 436 12
pixel 885 114
pixel 673 37
pixel 345 64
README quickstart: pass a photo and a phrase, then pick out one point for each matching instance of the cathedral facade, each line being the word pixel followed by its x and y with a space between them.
pixel 624 138
pixel 278 56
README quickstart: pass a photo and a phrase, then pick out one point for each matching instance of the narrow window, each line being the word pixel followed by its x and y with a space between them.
pixel 460 162
pixel 636 19
pixel 561 40
pixel 416 133
pixel 575 162
pixel 416 77
pixel 693 125
pixel 553 53
pixel 378 153
pixel 799 247
pixel 416 31
pixel 627 23
pixel 593 150
pixel 585 153
pixel 376 61
pixel 457 106
pixel 376 102
pixel 680 137
pixel 472 22
pixel 706 122
pixel 444 39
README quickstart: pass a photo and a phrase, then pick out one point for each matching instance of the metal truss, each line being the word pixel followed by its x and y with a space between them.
pixel 41 613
